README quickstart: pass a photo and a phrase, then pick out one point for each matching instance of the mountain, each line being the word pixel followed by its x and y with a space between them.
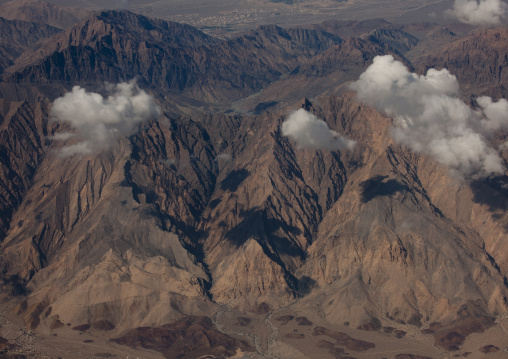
pixel 207 231
pixel 351 27
pixel 19 36
pixel 41 12
pixel 115 46
pixel 434 39
pixel 478 60
pixel 397 39
pixel 326 73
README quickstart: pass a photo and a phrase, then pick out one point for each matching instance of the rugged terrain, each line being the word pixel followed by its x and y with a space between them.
pixel 208 232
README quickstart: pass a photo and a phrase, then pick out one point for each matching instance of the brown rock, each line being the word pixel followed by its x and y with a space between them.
pixel 195 210
pixel 489 349
pixel 325 344
pixel 303 321
pixel 453 337
pixel 56 323
pixel 243 321
pixel 103 325
pixel 337 352
pixel 345 340
pixel 82 327
pixel 189 337
pixel 399 333
pixel 6 346
pixel 284 319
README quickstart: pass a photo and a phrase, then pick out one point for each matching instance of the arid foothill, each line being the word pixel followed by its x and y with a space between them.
pixel 261 179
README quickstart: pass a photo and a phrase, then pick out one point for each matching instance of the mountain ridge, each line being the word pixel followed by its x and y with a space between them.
pixel 223 216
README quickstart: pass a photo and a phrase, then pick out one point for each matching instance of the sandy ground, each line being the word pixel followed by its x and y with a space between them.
pixel 268 334
pixel 292 340
pixel 62 342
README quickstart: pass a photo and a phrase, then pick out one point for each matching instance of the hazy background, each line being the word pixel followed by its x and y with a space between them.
pixel 232 16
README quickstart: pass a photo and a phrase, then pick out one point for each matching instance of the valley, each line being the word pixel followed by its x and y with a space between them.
pixel 311 189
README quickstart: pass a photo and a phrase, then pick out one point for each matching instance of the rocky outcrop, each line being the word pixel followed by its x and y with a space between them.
pixel 42 13
pixel 193 212
pixel 94 253
pixel 22 129
pixel 396 39
pixel 114 46
pixel 478 60
pixel 351 58
pixel 433 40
pixel 190 337
pixel 389 245
pixel 18 36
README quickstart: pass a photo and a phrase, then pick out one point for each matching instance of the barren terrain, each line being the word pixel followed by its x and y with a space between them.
pixel 333 189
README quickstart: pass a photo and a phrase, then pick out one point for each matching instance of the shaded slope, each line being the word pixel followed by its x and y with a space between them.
pixel 113 46
pixel 395 39
pixel 387 229
pixel 18 36
pixel 189 337
pixel 479 61
pixel 22 129
pixel 326 73
pixel 41 12
pixel 192 212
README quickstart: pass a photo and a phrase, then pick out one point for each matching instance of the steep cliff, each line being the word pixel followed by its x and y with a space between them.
pixel 222 215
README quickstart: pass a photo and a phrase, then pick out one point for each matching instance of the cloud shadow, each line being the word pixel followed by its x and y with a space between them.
pixel 234 179
pixel 263 106
pixel 256 224
pixel 305 285
pixel 377 187
pixel 492 191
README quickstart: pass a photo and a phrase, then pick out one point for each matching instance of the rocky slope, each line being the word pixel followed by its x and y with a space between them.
pixel 170 57
pixel 478 60
pixel 18 36
pixel 22 128
pixel 41 12
pixel 388 223
pixel 214 214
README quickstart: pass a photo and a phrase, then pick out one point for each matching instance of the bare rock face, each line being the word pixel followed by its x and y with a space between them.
pixel 19 36
pixel 194 214
pixel 328 72
pixel 433 40
pixel 41 12
pixel 22 128
pixel 110 46
pixel 98 272
pixel 387 223
pixel 190 337
pixel 251 278
pixel 478 60
pixel 398 40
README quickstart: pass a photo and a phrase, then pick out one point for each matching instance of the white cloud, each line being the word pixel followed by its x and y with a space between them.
pixel 429 117
pixel 482 12
pixel 496 113
pixel 169 162
pixel 310 132
pixel 62 136
pixel 226 157
pixel 99 121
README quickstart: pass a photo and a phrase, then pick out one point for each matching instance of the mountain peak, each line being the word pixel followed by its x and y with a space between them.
pixel 238 196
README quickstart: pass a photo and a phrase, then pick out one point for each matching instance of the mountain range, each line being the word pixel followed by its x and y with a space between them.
pixel 152 196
